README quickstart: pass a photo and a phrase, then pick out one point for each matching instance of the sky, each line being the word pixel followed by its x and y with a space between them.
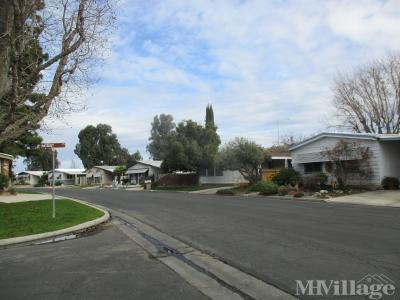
pixel 267 67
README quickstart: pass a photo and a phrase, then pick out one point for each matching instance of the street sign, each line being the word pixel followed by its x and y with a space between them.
pixel 52 145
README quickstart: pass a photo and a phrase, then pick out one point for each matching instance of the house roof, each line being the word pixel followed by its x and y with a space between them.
pixel 6 156
pixel 346 135
pixel 35 173
pixel 153 163
pixel 69 171
pixel 107 168
pixel 278 151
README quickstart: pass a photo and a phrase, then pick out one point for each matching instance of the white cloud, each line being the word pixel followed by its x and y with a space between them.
pixel 263 65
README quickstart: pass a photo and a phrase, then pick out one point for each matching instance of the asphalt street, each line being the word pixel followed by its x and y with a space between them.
pixel 106 265
pixel 278 241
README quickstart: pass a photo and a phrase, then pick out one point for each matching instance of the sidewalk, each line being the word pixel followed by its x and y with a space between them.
pixel 107 265
pixel 378 198
pixel 24 197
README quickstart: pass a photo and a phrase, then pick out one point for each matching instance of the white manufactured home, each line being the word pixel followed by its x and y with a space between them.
pixel 66 176
pixel 99 175
pixel 144 169
pixel 30 177
pixel 384 161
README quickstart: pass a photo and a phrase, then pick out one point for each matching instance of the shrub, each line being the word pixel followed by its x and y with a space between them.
pixel 265 188
pixel 4 181
pixel 298 194
pixel 43 180
pixel 315 182
pixel 12 191
pixel 286 177
pixel 390 183
pixel 58 183
pixel 227 192
pixel 283 190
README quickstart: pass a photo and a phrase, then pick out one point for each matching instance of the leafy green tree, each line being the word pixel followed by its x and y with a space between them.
pixel 243 155
pixel 162 128
pixel 191 148
pixel 28 146
pixel 118 171
pixel 42 159
pixel 176 158
pixel 25 145
pixel 99 146
pixel 133 159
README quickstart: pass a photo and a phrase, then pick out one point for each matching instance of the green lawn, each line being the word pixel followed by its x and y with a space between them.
pixel 188 188
pixel 31 217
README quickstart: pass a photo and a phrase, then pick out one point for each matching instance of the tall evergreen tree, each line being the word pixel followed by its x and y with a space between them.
pixel 209 116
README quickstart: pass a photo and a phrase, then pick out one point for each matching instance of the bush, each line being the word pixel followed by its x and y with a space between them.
pixel 298 195
pixel 4 181
pixel 43 180
pixel 265 188
pixel 58 183
pixel 227 192
pixel 390 183
pixel 315 182
pixel 286 177
pixel 12 191
pixel 283 190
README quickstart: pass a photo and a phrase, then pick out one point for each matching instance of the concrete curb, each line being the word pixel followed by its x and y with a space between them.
pixel 40 236
pixel 212 191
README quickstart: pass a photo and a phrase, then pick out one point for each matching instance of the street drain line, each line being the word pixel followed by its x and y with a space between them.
pixel 178 255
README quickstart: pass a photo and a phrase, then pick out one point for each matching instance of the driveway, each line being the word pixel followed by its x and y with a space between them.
pixel 379 198
pixel 278 241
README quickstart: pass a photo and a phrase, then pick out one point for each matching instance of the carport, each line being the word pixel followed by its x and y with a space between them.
pixel 390 156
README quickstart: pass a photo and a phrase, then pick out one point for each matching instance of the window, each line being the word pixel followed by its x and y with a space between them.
pixel 219 172
pixel 202 172
pixel 314 167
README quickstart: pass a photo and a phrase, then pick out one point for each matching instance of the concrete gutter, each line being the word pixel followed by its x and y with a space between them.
pixel 45 235
pixel 212 190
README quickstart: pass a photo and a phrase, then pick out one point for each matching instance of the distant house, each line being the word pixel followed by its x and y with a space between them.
pixel 279 158
pixel 144 169
pixel 66 176
pixel 100 175
pixel 30 177
pixel 384 159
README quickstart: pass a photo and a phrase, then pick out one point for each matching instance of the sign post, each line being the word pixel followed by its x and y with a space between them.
pixel 53 146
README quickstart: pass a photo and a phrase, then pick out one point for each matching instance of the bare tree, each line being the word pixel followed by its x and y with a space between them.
pixel 348 160
pixel 47 51
pixel 369 99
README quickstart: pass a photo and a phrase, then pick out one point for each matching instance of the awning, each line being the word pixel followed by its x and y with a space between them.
pixel 137 171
